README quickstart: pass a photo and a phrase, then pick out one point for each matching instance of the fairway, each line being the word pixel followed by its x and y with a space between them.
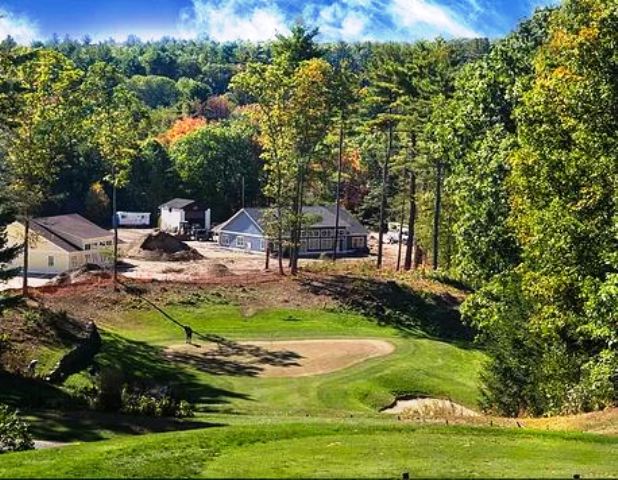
pixel 328 449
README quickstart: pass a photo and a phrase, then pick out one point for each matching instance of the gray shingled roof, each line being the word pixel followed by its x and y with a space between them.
pixel 52 237
pixel 177 203
pixel 55 229
pixel 326 218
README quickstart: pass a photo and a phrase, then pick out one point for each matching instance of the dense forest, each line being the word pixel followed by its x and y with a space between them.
pixel 501 156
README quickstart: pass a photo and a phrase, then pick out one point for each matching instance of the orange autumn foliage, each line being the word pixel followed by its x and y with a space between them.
pixel 181 128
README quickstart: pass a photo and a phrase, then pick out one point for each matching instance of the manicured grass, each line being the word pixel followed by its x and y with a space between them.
pixel 418 366
pixel 228 321
pixel 359 449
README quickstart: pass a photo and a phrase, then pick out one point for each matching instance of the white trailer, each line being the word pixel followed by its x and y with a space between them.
pixel 133 219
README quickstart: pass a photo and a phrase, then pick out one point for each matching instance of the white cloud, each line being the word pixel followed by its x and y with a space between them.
pixel 229 20
pixel 412 14
pixel 21 28
pixel 351 20
pixel 339 21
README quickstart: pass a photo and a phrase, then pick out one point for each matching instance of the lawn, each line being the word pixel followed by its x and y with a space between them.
pixel 343 449
pixel 419 365
pixel 325 425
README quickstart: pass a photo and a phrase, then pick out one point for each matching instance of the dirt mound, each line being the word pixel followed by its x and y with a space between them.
pixel 299 358
pixel 162 246
pixel 85 273
pixel 218 270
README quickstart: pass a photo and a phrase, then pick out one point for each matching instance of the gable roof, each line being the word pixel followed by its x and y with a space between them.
pixel 74 225
pixel 326 218
pixel 52 237
pixel 178 203
pixel 56 229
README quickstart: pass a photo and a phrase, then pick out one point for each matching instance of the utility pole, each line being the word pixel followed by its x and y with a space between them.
pixel 338 203
pixel 115 225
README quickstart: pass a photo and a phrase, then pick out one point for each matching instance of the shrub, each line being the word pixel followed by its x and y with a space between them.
pixel 14 434
pixel 154 403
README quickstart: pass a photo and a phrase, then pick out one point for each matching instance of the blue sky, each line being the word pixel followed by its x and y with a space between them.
pixel 258 20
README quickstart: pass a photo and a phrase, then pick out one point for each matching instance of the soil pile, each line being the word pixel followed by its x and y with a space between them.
pixel 85 273
pixel 162 246
pixel 218 270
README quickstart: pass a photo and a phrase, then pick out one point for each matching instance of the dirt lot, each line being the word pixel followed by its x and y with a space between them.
pixel 298 358
pixel 218 262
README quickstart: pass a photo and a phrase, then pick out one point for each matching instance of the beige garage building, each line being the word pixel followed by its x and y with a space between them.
pixel 61 243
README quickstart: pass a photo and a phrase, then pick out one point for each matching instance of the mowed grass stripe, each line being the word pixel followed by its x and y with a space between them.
pixel 361 450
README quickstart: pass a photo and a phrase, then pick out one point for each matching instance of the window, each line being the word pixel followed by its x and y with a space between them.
pixel 314 244
pixel 325 233
pixel 327 243
pixel 314 233
pixel 50 261
pixel 225 240
pixel 87 246
pixel 87 258
pixel 240 241
pixel 358 242
pixel 109 243
pixel 262 244
pixel 341 232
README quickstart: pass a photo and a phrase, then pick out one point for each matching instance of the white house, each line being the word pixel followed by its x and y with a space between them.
pixel 183 213
pixel 61 243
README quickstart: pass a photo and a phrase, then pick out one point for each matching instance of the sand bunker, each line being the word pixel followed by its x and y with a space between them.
pixel 297 358
pixel 430 408
pixel 161 246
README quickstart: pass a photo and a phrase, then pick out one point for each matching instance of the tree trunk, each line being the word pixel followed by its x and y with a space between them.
pixel 267 260
pixel 298 220
pixel 338 195
pixel 383 201
pixel 436 216
pixel 280 246
pixel 408 263
pixel 400 243
pixel 24 288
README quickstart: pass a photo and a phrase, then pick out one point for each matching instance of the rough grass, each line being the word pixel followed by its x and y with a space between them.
pixel 327 449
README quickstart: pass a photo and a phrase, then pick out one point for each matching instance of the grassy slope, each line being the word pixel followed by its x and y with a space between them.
pixel 302 427
pixel 328 449
pixel 419 365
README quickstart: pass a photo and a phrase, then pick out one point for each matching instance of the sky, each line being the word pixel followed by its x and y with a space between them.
pixel 260 20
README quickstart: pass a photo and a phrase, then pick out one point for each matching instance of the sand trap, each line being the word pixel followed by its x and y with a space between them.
pixel 298 358
pixel 430 407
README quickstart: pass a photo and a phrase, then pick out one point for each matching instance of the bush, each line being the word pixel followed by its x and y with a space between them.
pixel 154 403
pixel 14 434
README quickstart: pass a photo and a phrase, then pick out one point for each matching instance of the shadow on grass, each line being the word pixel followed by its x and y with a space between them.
pixel 21 392
pixel 230 357
pixel 145 364
pixel 88 426
pixel 233 358
pixel 411 312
